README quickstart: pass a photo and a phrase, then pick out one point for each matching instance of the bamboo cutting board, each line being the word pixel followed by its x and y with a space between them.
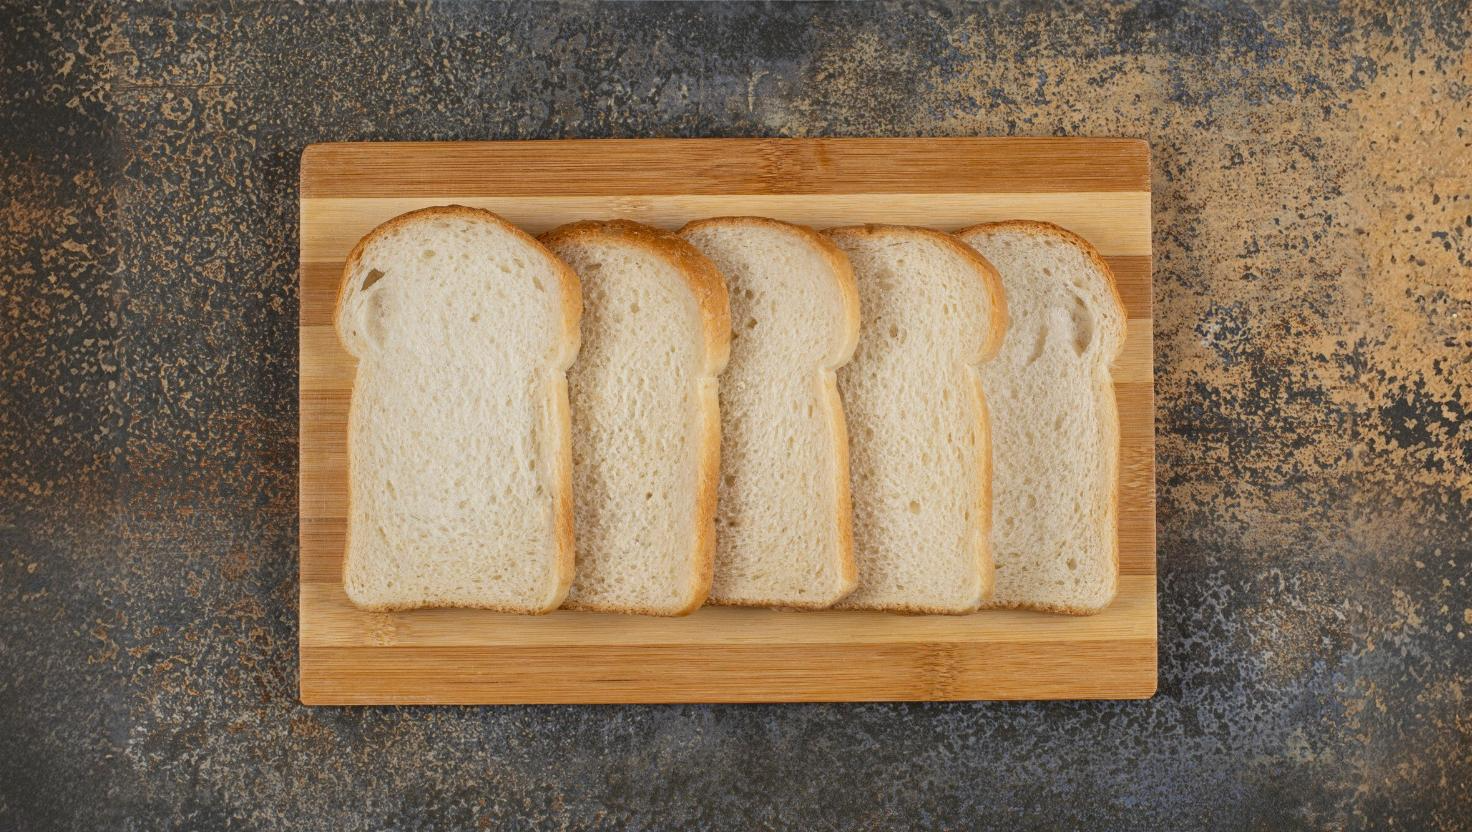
pixel 1099 188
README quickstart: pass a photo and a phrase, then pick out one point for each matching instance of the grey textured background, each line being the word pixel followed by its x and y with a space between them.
pixel 1313 283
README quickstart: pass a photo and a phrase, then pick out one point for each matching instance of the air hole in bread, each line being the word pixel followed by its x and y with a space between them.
pixel 428 254
pixel 374 318
pixel 751 323
pixel 538 283
pixel 748 294
pixel 475 319
pixel 374 275
pixel 1047 272
pixel 633 308
pixel 1083 325
pixel 914 506
pixel 1037 347
pixel 1072 564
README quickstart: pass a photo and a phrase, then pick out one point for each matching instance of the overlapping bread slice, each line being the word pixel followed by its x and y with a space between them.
pixel 783 535
pixel 458 448
pixel 646 427
pixel 1055 425
pixel 932 312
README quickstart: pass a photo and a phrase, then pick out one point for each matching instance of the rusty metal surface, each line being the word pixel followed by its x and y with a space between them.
pixel 1313 234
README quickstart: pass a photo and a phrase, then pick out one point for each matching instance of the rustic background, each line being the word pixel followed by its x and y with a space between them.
pixel 1313 232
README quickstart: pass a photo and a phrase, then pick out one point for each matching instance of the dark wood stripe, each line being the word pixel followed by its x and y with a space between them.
pixel 791 672
pixel 318 292
pixel 599 167
pixel 1132 277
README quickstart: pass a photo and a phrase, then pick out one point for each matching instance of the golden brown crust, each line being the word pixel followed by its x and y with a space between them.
pixel 1097 260
pixel 709 289
pixel 848 289
pixel 992 285
pixel 572 308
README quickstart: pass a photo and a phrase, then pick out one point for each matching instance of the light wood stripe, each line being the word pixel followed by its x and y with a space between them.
pixel 1116 223
pixel 612 167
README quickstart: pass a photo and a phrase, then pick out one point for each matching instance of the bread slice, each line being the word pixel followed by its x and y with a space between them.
pixel 1055 425
pixel 933 311
pixel 459 461
pixel 783 519
pixel 646 428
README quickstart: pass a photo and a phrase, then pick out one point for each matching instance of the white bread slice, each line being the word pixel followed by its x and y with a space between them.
pixel 783 522
pixel 1055 425
pixel 933 311
pixel 646 426
pixel 459 460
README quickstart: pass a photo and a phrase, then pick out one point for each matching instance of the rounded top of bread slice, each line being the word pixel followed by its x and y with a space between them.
pixel 1035 240
pixel 875 237
pixel 754 233
pixel 433 247
pixel 705 281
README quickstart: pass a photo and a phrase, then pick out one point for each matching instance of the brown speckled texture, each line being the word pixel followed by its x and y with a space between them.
pixel 1313 285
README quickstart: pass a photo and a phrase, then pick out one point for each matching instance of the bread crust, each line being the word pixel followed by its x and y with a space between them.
pixel 991 344
pixel 564 355
pixel 709 289
pixel 1058 232
pixel 828 387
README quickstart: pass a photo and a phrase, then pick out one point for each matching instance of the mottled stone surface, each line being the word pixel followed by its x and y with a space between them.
pixel 1313 229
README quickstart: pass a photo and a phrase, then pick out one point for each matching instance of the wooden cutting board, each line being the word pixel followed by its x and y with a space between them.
pixel 1099 188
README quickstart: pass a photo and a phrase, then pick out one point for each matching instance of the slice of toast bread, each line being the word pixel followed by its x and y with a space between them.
pixel 783 524
pixel 459 453
pixel 1055 423
pixel 646 425
pixel 933 310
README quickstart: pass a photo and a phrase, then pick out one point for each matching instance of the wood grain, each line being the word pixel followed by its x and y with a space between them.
pixel 602 167
pixel 1099 188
